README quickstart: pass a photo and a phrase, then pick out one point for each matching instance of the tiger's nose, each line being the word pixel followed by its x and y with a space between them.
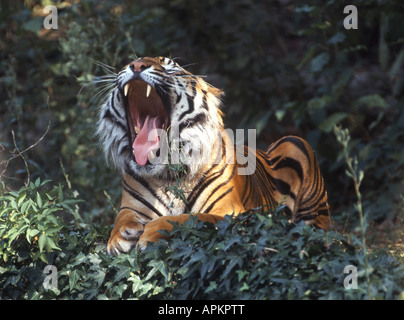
pixel 138 66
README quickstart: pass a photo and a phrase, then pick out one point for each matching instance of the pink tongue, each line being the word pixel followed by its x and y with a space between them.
pixel 147 140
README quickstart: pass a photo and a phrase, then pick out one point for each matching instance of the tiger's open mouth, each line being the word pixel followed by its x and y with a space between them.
pixel 146 114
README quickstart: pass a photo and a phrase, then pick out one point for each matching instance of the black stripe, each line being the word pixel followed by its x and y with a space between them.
pixel 190 99
pixel 288 211
pixel 218 188
pixel 270 161
pixel 112 105
pixel 207 175
pixel 110 117
pixel 202 184
pixel 198 119
pixel 191 107
pixel 294 140
pixel 138 197
pixel 125 149
pixel 323 212
pixel 136 211
pixel 290 163
pixel 247 184
pixel 304 218
pixel 313 191
pixel 283 188
pixel 156 73
pixel 205 102
pixel 218 198
pixel 145 185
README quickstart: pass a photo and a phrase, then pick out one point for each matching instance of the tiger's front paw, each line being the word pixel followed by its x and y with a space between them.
pixel 124 237
pixel 151 231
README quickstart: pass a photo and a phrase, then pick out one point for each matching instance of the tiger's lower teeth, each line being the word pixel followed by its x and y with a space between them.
pixel 137 130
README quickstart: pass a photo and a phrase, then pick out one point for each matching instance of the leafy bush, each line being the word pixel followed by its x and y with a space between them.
pixel 27 217
pixel 251 256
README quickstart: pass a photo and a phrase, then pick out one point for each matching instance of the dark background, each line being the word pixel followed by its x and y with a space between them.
pixel 287 67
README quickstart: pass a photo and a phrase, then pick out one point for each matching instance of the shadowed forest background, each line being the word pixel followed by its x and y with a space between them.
pixel 286 67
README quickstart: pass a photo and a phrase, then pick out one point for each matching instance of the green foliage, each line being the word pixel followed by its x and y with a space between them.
pixel 251 256
pixel 27 217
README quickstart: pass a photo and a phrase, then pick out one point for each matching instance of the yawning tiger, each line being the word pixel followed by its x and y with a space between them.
pixel 159 114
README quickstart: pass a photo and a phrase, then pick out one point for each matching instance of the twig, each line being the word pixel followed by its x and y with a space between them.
pixel 23 159
pixel 18 153
pixel 343 137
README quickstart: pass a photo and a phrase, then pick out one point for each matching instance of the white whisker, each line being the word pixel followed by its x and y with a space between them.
pixel 106 67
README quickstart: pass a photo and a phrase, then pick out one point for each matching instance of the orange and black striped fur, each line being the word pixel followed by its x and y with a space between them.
pixel 154 95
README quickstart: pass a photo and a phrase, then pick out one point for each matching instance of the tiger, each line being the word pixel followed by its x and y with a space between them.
pixel 154 103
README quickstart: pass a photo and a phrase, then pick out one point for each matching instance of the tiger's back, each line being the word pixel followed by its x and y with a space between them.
pixel 287 173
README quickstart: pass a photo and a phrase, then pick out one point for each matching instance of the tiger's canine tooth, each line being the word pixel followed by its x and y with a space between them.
pixel 126 89
pixel 137 129
pixel 148 89
pixel 151 155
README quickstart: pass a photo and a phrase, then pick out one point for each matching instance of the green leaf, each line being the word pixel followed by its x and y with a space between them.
pixel 25 206
pixel 319 62
pixel 33 25
pixel 136 283
pixel 60 193
pixel 373 100
pixel 245 287
pixel 42 256
pixel 31 233
pixel 38 200
pixel 157 266
pixel 12 235
pixel 241 274
pixel 50 244
pixel 42 241
pixel 212 286
pixel 337 38
pixel 328 124
pixel 37 182
pixel 21 199
pixel 73 279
